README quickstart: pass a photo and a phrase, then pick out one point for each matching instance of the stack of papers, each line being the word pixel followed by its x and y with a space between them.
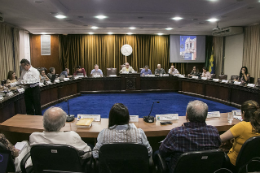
pixel 85 122
pixel 20 145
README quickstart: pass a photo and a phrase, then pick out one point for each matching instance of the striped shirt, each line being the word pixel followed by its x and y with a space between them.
pixel 191 136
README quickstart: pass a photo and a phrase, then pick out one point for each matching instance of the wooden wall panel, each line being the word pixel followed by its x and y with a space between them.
pixel 46 61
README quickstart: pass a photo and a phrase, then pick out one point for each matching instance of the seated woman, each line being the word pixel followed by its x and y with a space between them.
pixel 52 72
pixel 205 73
pixel 80 70
pixel 119 130
pixel 249 127
pixel 244 76
pixel 11 78
pixel 194 72
pixel 43 76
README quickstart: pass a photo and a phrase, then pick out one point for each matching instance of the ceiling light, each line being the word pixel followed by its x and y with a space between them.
pixel 110 33
pixel 91 33
pixel 212 20
pixel 132 28
pixel 43 33
pixel 129 33
pixel 94 27
pixel 101 17
pixel 177 18
pixel 60 16
pixel 168 28
pixel 160 34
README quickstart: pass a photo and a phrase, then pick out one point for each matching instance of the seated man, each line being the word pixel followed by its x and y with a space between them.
pixel 194 135
pixel 96 70
pixel 127 69
pixel 159 70
pixel 145 71
pixel 173 70
pixel 194 72
pixel 80 70
pixel 65 72
pixel 52 72
pixel 54 119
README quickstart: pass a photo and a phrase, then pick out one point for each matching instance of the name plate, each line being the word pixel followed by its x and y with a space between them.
pixel 9 94
pixel 97 75
pixel 166 75
pixel 236 112
pixel 76 77
pixel 48 82
pixel 237 83
pixel 181 76
pixel 134 118
pixel 214 114
pixel 41 84
pixel 57 81
pixel 95 116
pixel 204 78
pixel 216 80
pixel 176 75
pixel 224 81
pixel 66 79
pixel 1 98
pixel 251 85
pixel 20 90
pixel 113 75
pixel 195 77
pixel 167 117
pixel 150 75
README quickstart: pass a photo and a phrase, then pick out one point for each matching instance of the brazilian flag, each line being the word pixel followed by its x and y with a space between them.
pixel 212 63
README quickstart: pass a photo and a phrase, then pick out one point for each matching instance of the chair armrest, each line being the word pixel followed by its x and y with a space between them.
pixel 23 162
pixel 160 163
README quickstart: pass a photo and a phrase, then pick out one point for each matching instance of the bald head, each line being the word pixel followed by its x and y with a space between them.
pixel 197 111
pixel 54 119
pixel 159 66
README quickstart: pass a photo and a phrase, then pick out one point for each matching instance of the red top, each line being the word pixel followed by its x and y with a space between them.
pixel 82 70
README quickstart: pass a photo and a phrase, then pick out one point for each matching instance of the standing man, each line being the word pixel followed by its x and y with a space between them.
pixel 30 77
pixel 159 70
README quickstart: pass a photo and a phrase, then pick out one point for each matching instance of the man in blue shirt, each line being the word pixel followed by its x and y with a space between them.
pixel 96 71
pixel 65 72
pixel 145 71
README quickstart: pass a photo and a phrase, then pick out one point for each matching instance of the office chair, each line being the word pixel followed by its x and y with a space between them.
pixel 140 69
pixel 3 82
pixel 6 161
pixel 222 77
pixel 252 80
pixel 258 82
pixel 111 71
pixel 124 158
pixel 248 159
pixel 208 161
pixel 233 77
pixel 213 76
pixel 51 158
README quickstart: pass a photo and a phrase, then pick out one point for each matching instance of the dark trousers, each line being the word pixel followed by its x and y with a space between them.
pixel 32 99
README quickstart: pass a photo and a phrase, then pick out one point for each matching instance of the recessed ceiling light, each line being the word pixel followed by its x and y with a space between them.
pixel 212 20
pixel 43 33
pixel 91 33
pixel 110 33
pixel 94 27
pixel 100 17
pixel 177 18
pixel 60 16
pixel 131 27
pixel 159 33
pixel 129 33
pixel 168 28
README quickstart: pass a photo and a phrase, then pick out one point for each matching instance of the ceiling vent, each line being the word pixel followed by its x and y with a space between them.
pixel 1 17
pixel 228 31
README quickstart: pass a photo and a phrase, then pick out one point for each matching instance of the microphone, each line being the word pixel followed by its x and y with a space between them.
pixel 149 118
pixel 69 117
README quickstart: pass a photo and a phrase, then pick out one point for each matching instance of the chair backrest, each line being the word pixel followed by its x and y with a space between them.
pixel 252 80
pixel 249 150
pixel 123 157
pixel 55 157
pixel 213 76
pixel 258 82
pixel 3 82
pixel 140 69
pixel 233 77
pixel 6 161
pixel 122 66
pixel 111 71
pixel 222 77
pixel 200 161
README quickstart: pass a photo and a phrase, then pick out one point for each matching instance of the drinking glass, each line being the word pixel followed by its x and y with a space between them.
pixel 230 117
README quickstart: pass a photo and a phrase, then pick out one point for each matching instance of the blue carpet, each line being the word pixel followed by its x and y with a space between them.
pixel 137 103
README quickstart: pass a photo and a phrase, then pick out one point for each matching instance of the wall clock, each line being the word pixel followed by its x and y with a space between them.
pixel 126 50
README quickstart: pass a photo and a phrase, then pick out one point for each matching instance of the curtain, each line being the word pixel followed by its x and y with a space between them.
pixel 9 43
pixel 251 56
pixel 209 44
pixel 105 50
pixel 24 45
pixel 218 54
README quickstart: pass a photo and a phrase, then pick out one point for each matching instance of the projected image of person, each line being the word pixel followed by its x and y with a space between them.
pixel 188 47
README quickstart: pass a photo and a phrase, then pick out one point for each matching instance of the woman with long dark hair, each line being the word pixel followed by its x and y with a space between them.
pixel 249 127
pixel 244 76
pixel 120 131
pixel 11 78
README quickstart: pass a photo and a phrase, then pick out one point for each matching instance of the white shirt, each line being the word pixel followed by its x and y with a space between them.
pixel 67 138
pixel 175 71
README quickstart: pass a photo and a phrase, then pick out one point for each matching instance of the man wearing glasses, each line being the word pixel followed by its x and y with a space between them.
pixel 127 69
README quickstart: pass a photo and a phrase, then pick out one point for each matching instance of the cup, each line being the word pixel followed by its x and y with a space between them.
pixel 230 117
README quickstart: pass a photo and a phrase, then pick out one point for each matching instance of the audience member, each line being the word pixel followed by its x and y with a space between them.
pixel 11 78
pixel 205 73
pixel 194 135
pixel 127 69
pixel 249 127
pixel 173 70
pixel 119 130
pixel 97 71
pixel 145 71
pixel 65 73
pixel 159 70
pixel 194 72
pixel 52 72
pixel 80 70
pixel 43 76
pixel 244 76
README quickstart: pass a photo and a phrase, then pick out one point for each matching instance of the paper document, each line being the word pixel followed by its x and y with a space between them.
pixel 20 145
